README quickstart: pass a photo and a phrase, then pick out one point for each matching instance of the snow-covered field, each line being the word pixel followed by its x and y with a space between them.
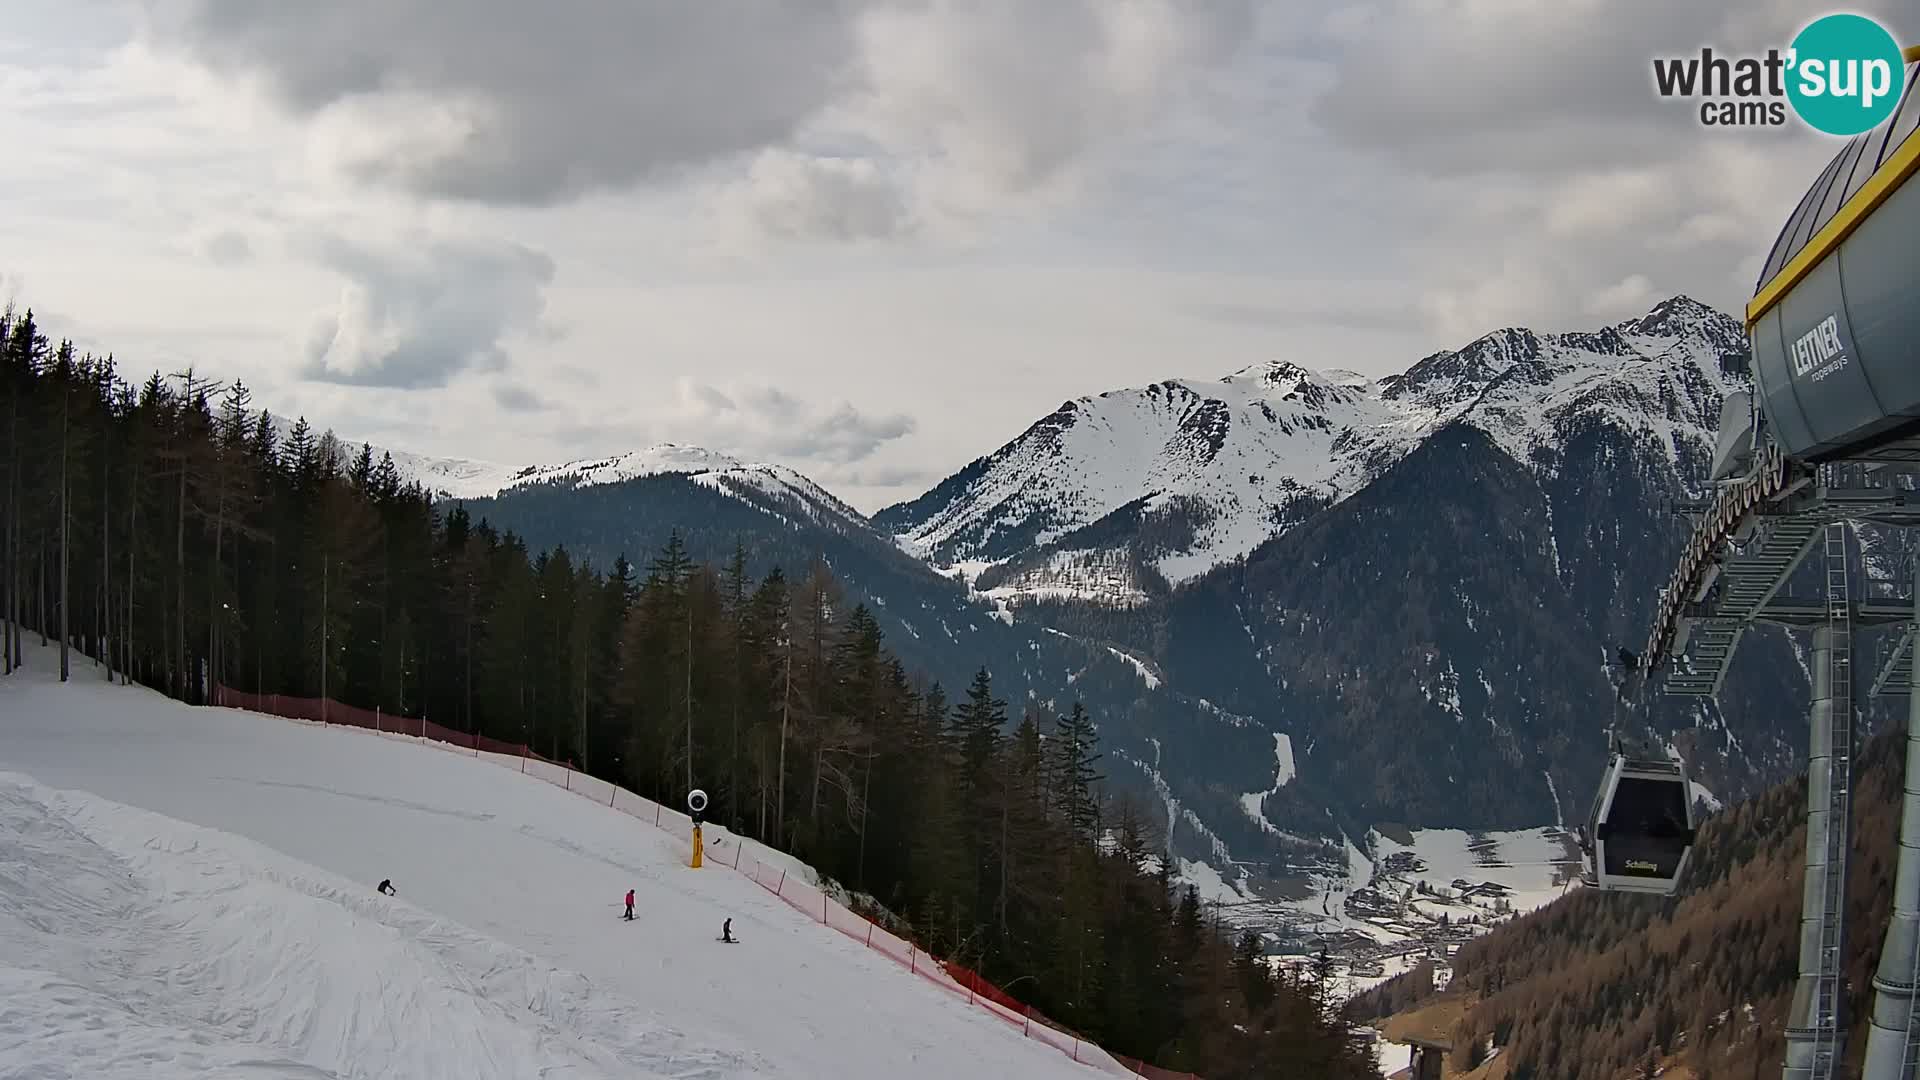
pixel 1527 861
pixel 189 892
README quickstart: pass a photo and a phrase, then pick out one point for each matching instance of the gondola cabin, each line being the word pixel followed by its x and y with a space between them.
pixel 1641 831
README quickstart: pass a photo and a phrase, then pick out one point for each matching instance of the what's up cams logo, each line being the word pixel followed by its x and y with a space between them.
pixel 1842 75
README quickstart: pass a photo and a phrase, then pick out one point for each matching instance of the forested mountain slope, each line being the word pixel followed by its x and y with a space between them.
pixel 1591 985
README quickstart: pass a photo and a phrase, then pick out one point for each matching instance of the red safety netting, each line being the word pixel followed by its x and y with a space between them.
pixel 1153 1072
pixel 328 711
pixel 768 869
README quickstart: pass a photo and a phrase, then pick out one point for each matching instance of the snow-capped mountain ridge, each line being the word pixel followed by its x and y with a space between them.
pixel 1188 474
pixel 467 478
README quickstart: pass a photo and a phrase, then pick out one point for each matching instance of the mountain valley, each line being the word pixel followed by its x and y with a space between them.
pixel 1303 606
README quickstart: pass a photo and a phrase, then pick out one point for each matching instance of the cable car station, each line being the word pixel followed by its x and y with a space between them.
pixel 1829 439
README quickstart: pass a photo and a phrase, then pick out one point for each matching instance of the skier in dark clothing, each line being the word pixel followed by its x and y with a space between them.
pixel 629 915
pixel 386 886
pixel 726 931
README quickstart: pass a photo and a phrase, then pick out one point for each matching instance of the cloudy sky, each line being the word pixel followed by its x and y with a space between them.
pixel 871 239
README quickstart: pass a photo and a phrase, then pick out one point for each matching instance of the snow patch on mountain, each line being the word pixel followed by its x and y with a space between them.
pixel 1146 673
pixel 1254 802
pixel 1207 882
pixel 1701 794
pixel 1176 814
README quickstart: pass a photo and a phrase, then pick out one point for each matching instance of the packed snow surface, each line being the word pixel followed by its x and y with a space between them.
pixel 189 893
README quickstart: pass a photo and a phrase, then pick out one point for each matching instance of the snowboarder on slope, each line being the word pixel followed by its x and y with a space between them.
pixel 629 915
pixel 726 931
pixel 386 886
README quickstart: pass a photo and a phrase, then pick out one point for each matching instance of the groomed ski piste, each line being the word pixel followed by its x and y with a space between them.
pixel 189 892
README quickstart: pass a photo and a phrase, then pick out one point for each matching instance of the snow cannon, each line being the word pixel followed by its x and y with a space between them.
pixel 1641 830
pixel 697 806
pixel 1835 317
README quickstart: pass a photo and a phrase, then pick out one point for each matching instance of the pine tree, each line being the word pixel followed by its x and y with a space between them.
pixel 1075 779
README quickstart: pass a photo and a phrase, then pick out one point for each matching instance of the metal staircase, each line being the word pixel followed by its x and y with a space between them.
pixel 1743 586
pixel 1830 1003
pixel 1896 667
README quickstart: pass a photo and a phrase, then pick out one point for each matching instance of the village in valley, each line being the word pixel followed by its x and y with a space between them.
pixel 1416 898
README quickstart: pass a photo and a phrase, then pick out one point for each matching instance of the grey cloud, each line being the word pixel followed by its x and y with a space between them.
pixel 790 195
pixel 895 476
pixel 1463 87
pixel 1385 317
pixel 516 398
pixel 418 315
pixel 1019 91
pixel 971 109
pixel 751 420
pixel 1556 184
pixel 766 420
pixel 950 110
pixel 545 100
pixel 227 248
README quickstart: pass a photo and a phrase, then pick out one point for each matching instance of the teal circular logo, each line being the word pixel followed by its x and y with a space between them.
pixel 1845 74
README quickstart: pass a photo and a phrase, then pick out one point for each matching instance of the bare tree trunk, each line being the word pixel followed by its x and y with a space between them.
pixel 323 639
pixel 106 563
pixel 213 592
pixel 866 788
pixel 180 584
pixel 259 648
pixel 786 705
pixel 733 755
pixel 40 587
pixel 1006 857
pixel 6 579
pixel 17 575
pixel 6 547
pixel 10 541
pixel 230 668
pixel 470 727
pixel 126 627
pixel 66 620
pixel 19 578
pixel 813 797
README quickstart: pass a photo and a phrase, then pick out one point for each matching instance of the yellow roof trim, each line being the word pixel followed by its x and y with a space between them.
pixel 1885 181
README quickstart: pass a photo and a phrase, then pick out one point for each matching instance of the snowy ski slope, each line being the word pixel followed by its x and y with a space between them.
pixel 189 892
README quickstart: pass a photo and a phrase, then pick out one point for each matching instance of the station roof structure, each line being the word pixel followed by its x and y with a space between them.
pixel 1859 178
